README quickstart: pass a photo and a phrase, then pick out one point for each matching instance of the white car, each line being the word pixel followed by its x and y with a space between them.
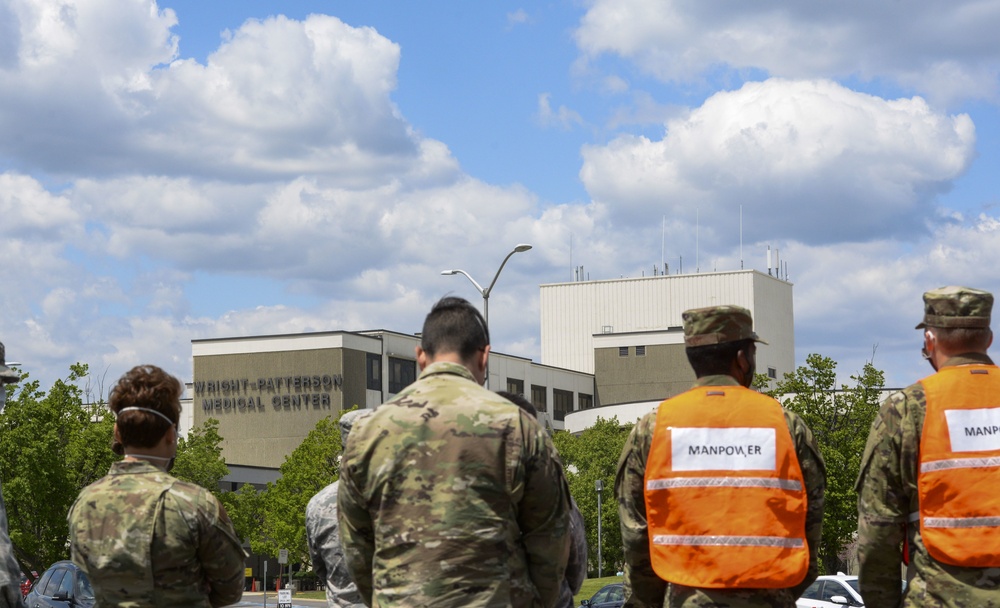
pixel 831 592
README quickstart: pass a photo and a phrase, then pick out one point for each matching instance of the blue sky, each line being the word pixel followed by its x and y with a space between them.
pixel 180 170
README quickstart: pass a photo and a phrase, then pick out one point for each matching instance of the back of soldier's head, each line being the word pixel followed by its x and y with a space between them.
pixel 714 335
pixel 454 326
pixel 143 388
pixel 959 318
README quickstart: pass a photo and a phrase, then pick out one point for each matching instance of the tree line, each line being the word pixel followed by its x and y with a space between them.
pixel 52 444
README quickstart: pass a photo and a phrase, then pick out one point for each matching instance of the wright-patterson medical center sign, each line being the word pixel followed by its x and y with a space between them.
pixel 275 393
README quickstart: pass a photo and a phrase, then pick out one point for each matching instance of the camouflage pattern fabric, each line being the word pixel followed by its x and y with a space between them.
pixel 887 495
pixel 146 539
pixel 718 324
pixel 643 588
pixel 450 495
pixel 326 551
pixel 10 573
pixel 957 307
pixel 576 568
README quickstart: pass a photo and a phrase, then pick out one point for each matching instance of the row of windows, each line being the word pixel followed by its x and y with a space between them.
pixel 640 351
pixel 403 372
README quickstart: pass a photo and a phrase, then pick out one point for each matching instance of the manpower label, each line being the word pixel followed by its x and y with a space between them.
pixel 723 449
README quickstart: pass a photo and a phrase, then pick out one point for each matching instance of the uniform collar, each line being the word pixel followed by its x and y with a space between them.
pixel 716 380
pixel 447 367
pixel 968 359
pixel 123 467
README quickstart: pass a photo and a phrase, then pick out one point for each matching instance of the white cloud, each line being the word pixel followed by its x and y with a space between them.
pixel 944 54
pixel 563 117
pixel 811 160
pixel 518 17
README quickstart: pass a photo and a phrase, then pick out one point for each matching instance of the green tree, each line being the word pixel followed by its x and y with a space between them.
pixel 307 470
pixel 590 456
pixel 840 420
pixel 199 457
pixel 51 446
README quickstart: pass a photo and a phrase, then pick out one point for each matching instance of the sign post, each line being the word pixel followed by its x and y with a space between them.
pixel 282 560
pixel 285 598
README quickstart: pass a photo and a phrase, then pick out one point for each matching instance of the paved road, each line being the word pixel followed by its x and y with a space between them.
pixel 257 599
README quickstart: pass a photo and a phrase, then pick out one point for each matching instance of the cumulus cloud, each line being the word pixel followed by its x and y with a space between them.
pixel 562 117
pixel 824 163
pixel 944 55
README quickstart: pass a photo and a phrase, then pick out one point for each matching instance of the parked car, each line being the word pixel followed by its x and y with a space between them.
pixel 831 591
pixel 63 585
pixel 609 596
pixel 27 582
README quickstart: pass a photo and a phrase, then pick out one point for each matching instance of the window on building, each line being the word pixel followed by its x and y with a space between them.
pixel 538 398
pixel 374 365
pixel 772 373
pixel 515 386
pixel 640 351
pixel 402 373
pixel 622 351
pixel 562 403
pixel 586 401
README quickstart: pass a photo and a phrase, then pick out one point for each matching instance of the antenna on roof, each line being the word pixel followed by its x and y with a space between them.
pixel 663 237
pixel 697 235
pixel 768 260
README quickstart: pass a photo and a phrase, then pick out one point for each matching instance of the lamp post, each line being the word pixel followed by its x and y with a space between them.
pixel 7 376
pixel 486 292
pixel 599 486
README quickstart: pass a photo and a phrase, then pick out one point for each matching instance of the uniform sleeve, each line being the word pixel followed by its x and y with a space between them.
pixel 356 531
pixel 315 537
pixel 10 578
pixel 814 476
pixel 576 568
pixel 221 554
pixel 543 513
pixel 882 507
pixel 643 588
pixel 325 549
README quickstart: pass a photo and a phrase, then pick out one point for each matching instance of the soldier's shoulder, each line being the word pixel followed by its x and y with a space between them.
pixel 323 505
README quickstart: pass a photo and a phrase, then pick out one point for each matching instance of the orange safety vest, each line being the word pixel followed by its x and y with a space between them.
pixel 725 498
pixel 959 476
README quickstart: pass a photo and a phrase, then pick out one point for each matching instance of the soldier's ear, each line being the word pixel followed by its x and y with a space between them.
pixel 422 359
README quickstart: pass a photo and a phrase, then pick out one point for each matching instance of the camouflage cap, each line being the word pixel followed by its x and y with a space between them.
pixel 956 307
pixel 718 324
pixel 347 422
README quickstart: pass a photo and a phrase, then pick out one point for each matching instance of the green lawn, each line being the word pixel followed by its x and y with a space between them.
pixel 589 588
pixel 591 585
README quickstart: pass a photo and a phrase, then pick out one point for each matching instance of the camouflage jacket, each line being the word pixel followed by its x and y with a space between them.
pixel 450 495
pixel 576 568
pixel 325 550
pixel 146 539
pixel 10 573
pixel 643 588
pixel 887 495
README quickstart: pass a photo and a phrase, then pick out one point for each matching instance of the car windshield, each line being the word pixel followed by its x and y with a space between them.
pixel 853 582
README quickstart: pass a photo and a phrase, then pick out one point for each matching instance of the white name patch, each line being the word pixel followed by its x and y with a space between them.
pixel 974 430
pixel 726 449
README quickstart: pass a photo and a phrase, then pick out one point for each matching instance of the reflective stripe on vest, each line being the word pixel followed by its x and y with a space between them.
pixel 959 471
pixel 724 493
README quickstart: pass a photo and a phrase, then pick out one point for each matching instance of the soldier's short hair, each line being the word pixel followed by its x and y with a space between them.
pixel 715 359
pixel 520 401
pixel 454 326
pixel 149 387
pixel 964 339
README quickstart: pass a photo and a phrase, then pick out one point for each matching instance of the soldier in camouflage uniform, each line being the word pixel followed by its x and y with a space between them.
pixel 450 495
pixel 956 333
pixel 723 336
pixel 10 579
pixel 323 534
pixel 143 537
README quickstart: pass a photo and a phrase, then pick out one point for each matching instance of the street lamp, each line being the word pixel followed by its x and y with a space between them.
pixel 599 486
pixel 7 376
pixel 486 292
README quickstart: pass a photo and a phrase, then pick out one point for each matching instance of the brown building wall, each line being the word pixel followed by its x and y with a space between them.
pixel 663 372
pixel 355 378
pixel 266 403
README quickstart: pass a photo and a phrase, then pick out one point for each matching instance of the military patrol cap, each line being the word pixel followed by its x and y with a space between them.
pixel 957 307
pixel 718 324
pixel 7 375
pixel 347 422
